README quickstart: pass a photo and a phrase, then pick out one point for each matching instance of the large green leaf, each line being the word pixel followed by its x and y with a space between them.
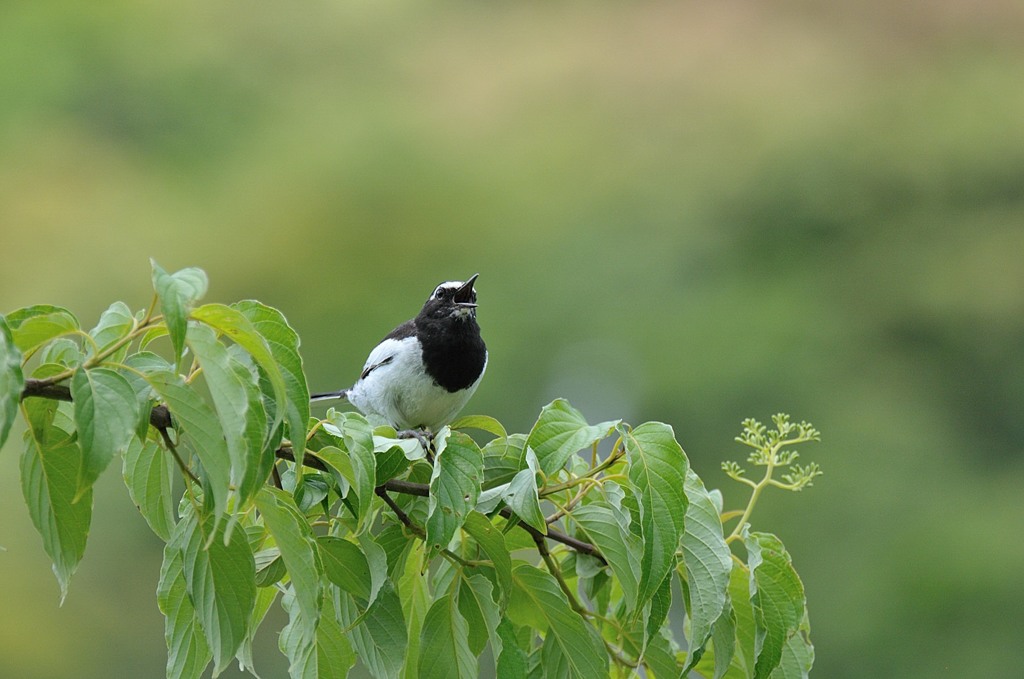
pixel 481 422
pixel 777 596
pixel 511 663
pixel 445 640
pixel 221 585
pixel 187 651
pixel 345 565
pixel 540 603
pixel 358 437
pixel 477 605
pixel 502 459
pixel 608 527
pixel 106 416
pixel 492 542
pixel 743 619
pixel 521 494
pixel 657 470
pixel 707 561
pixel 414 591
pixel 560 431
pixel 49 478
pixel 261 439
pixel 329 656
pixel 33 326
pixel 797 655
pixel 234 324
pixel 115 323
pixel 284 346
pixel 454 487
pixel 12 380
pixel 381 638
pixel 196 418
pixel 724 662
pixel 178 292
pixel 148 471
pixel 229 390
pixel 294 537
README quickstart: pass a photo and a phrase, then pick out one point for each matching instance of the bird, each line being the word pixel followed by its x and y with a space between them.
pixel 421 375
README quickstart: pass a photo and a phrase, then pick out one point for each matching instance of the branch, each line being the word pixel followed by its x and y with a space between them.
pixel 160 417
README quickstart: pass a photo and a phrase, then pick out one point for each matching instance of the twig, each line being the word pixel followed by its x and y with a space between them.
pixel 418 530
pixel 552 565
pixel 177 458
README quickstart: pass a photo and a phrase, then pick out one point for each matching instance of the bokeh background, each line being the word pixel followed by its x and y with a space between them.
pixel 692 212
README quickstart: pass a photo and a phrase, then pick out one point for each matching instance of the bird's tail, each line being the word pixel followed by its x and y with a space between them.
pixel 329 396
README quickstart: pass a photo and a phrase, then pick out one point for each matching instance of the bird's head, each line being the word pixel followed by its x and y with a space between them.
pixel 452 299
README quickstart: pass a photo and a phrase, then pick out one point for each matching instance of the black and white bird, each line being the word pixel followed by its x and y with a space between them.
pixel 422 374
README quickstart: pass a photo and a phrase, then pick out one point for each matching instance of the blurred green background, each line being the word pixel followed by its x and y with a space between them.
pixel 687 212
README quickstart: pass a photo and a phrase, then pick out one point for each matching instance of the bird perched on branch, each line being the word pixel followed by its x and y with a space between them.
pixel 422 374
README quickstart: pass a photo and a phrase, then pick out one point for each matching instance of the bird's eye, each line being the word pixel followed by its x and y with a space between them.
pixel 439 293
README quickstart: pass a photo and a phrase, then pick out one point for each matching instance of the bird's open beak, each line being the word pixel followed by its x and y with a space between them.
pixel 464 294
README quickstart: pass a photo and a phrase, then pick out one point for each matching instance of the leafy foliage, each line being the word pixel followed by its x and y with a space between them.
pixel 411 561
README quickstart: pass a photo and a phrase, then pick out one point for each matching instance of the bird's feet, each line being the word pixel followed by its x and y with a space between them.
pixel 424 436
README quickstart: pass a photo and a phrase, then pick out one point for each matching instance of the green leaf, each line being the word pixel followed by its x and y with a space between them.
pixel 229 389
pixel 481 422
pixel 187 651
pixel 295 539
pixel 340 466
pixel 178 292
pixel 62 351
pixel 797 655
pixel 270 568
pixel 12 380
pixel 708 562
pixel 234 324
pixel 49 477
pixel 502 459
pixel 265 597
pixel 284 347
pixel 139 364
pixel 414 592
pixel 454 487
pixel 492 542
pixel 345 565
pixel 657 470
pixel 476 603
pixel 777 596
pixel 358 437
pixel 148 471
pixel 723 646
pixel 560 432
pixel 329 656
pixel 106 415
pixel 115 323
pixel 36 325
pixel 511 659
pixel 380 639
pixel 540 603
pixel 445 639
pixel 657 610
pixel 743 616
pixel 608 527
pixel 196 418
pixel 521 494
pixel 221 585
pixel 660 657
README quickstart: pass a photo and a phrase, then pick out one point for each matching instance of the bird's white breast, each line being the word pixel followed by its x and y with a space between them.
pixel 400 390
